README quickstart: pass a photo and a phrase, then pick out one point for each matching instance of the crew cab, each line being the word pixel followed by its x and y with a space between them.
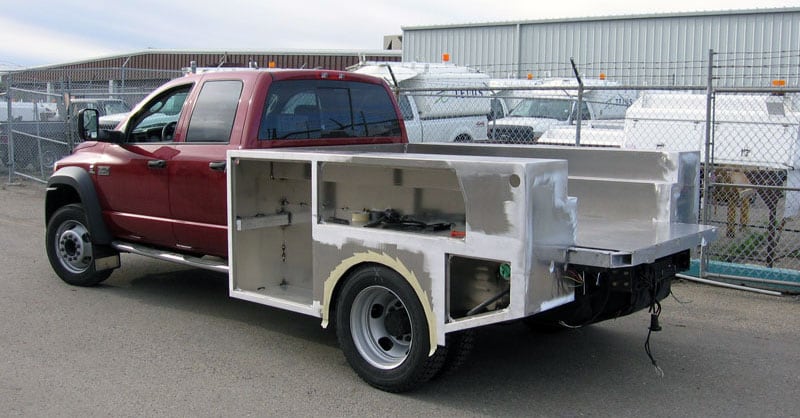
pixel 160 179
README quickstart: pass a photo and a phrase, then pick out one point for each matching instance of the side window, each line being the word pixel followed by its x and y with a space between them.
pixel 214 112
pixel 311 109
pixel 156 123
pixel 116 107
pixel 585 115
pixel 496 109
pixel 405 107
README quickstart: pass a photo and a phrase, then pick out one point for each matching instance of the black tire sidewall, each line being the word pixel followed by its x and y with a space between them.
pixel 89 277
pixel 415 369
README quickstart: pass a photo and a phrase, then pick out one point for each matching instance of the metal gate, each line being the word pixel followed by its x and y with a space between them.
pixel 33 132
pixel 752 187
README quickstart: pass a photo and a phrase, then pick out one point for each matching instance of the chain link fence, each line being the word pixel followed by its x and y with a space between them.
pixel 38 109
pixel 748 137
pixel 753 187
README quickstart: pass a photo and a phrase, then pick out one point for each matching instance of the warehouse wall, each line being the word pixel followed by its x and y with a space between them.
pixel 755 46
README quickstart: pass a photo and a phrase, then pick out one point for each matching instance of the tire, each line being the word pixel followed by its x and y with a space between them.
pixel 463 138
pixel 52 154
pixel 383 331
pixel 70 250
pixel 4 155
pixel 459 347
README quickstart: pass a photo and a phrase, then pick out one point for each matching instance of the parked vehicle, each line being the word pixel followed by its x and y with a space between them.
pixel 111 111
pixel 300 186
pixel 29 111
pixel 678 122
pixel 536 111
pixel 32 120
pixel 508 92
pixel 446 115
pixel 104 106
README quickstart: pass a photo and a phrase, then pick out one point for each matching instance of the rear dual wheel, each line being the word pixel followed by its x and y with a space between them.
pixel 383 331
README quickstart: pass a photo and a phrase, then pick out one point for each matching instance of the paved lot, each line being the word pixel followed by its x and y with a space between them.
pixel 164 340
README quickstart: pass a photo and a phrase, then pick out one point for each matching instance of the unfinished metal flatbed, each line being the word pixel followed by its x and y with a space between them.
pixel 616 244
pixel 296 223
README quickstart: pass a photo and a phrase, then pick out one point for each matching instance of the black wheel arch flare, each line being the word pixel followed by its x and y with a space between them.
pixel 63 185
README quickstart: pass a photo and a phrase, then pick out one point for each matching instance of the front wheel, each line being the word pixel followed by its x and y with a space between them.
pixel 70 249
pixel 383 331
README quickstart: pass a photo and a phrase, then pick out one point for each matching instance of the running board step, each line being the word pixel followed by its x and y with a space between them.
pixel 203 263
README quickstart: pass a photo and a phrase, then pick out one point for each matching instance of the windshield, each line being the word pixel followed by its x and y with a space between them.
pixel 116 107
pixel 543 108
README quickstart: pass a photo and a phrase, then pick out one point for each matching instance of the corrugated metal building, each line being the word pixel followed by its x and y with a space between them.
pixel 752 46
pixel 145 64
pixel 132 76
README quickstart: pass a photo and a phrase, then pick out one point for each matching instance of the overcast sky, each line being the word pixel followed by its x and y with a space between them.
pixel 42 32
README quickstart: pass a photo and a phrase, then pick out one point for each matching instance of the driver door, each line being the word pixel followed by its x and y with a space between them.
pixel 133 176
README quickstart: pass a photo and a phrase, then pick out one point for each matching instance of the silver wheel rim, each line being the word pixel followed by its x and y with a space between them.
pixel 381 327
pixel 74 247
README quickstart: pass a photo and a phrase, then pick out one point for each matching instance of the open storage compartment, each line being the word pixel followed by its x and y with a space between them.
pixel 424 200
pixel 271 211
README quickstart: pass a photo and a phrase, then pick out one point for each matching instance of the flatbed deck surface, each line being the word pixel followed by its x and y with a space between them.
pixel 635 242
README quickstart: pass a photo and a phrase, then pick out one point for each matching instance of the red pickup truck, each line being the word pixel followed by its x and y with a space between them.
pixel 159 179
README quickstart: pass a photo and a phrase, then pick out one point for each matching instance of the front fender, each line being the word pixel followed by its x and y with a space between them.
pixel 69 184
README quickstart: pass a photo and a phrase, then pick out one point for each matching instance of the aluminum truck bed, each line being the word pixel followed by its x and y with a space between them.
pixel 614 243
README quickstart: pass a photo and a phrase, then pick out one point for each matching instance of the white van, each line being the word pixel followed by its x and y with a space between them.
pixel 536 111
pixel 456 113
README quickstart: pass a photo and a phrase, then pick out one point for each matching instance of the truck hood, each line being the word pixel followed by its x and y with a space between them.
pixel 538 124
pixel 111 121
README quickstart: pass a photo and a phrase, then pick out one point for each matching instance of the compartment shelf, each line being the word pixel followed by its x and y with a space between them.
pixel 244 223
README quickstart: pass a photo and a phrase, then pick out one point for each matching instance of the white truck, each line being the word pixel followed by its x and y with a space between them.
pixel 451 105
pixel 506 94
pixel 29 111
pixel 554 104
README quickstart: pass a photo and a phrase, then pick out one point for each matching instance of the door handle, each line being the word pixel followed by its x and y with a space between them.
pixel 157 163
pixel 217 165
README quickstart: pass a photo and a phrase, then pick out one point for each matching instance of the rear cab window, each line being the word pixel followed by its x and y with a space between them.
pixel 317 109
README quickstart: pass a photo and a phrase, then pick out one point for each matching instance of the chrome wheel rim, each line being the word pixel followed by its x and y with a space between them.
pixel 74 247
pixel 381 327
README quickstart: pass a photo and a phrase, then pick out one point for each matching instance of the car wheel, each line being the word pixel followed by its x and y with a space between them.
pixel 383 331
pixel 70 249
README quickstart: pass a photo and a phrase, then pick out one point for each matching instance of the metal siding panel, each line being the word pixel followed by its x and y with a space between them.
pixel 679 44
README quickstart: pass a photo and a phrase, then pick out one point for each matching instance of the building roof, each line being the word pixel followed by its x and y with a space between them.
pixel 120 59
pixel 612 17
